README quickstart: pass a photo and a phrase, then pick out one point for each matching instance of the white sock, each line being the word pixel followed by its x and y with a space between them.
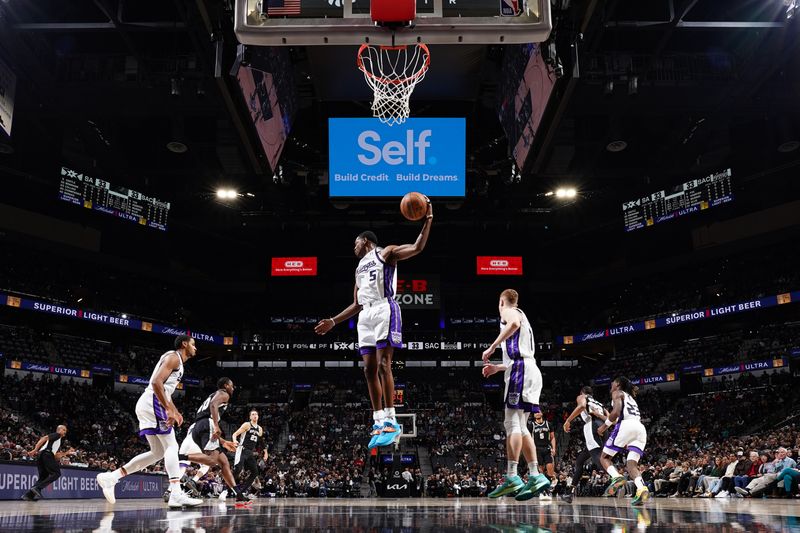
pixel 613 472
pixel 534 469
pixel 202 471
pixel 512 468
pixel 639 482
pixel 175 486
pixel 117 474
pixel 378 416
pixel 390 414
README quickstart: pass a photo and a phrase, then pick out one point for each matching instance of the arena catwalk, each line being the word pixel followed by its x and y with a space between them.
pixel 361 515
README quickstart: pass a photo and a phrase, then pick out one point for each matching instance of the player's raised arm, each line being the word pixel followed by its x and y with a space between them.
pixel 326 324
pixel 242 429
pixel 575 412
pixel 400 252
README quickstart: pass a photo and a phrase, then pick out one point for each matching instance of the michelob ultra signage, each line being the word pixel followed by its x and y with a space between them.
pixel 369 158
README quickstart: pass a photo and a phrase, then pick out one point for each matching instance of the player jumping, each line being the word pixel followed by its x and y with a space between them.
pixel 379 322
pixel 628 434
pixel 157 416
pixel 523 388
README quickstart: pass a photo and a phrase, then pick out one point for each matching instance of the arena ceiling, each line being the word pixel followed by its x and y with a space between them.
pixel 105 84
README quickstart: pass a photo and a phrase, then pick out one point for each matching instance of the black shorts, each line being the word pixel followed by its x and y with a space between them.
pixel 544 456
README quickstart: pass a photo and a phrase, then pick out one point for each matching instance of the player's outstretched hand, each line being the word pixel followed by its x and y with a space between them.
pixel 228 445
pixel 490 370
pixel 429 212
pixel 487 354
pixel 324 326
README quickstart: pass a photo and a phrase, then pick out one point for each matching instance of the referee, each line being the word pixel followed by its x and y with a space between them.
pixel 249 437
pixel 49 469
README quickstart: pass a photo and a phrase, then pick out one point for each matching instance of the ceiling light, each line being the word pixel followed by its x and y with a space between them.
pixel 227 194
pixel 177 147
pixel 616 146
pixel 566 193
pixel 788 146
pixel 791 8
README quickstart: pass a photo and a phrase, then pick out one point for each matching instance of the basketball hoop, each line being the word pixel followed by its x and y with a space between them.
pixel 392 72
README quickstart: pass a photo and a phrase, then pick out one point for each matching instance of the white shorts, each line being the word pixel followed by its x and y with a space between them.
pixel 198 439
pixel 379 325
pixel 627 435
pixel 152 415
pixel 523 385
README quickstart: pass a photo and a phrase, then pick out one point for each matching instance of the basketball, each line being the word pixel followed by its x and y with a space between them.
pixel 414 205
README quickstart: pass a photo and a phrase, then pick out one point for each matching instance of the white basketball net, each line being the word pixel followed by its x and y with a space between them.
pixel 392 72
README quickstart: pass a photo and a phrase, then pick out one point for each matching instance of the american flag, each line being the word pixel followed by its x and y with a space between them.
pixel 283 7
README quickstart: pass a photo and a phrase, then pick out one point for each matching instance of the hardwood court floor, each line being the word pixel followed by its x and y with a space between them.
pixel 405 516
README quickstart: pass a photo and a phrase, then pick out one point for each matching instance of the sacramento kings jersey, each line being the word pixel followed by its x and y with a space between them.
pixel 174 378
pixel 249 439
pixel 630 409
pixel 205 409
pixel 520 344
pixel 541 434
pixel 376 280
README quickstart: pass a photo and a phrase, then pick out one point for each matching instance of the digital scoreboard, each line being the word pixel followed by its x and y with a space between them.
pixel 690 197
pixel 99 195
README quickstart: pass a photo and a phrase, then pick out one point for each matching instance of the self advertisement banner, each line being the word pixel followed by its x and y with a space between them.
pixel 368 158
pixel 75 483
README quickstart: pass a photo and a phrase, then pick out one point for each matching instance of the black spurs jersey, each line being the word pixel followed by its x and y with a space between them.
pixel 251 438
pixel 53 443
pixel 541 434
pixel 205 409
pixel 591 422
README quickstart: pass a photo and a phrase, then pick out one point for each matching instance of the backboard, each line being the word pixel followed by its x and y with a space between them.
pixel 347 22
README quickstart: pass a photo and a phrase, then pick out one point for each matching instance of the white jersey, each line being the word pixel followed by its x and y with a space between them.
pixel 174 378
pixel 376 280
pixel 520 344
pixel 593 407
pixel 630 409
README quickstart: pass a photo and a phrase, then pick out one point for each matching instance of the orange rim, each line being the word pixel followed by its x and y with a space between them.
pixel 379 79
